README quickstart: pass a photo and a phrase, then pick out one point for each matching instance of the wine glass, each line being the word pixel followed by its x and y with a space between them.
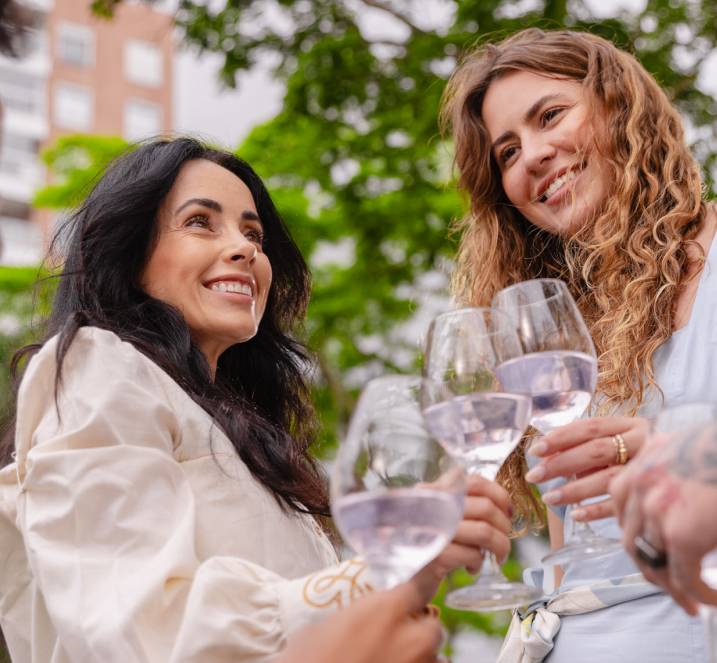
pixel 708 613
pixel 397 496
pixel 557 358
pixel 460 355
pixel 677 422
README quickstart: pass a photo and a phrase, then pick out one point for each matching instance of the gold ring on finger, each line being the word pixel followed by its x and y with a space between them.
pixel 620 449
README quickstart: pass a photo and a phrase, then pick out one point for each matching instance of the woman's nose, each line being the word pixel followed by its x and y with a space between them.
pixel 537 152
pixel 240 248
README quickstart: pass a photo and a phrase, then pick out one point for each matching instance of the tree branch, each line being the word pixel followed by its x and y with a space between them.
pixel 396 14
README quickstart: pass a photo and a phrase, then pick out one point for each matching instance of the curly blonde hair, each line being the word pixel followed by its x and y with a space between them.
pixel 624 268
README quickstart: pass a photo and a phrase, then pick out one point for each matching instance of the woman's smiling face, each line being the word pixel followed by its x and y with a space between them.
pixel 540 132
pixel 209 262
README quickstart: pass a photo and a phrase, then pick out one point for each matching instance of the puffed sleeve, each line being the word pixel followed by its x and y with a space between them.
pixel 108 520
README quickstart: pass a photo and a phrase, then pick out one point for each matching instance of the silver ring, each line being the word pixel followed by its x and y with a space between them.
pixel 645 551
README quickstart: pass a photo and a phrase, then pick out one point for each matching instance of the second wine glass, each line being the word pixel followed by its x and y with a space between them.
pixel 460 356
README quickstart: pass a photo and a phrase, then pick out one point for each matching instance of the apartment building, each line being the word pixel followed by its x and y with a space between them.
pixel 83 75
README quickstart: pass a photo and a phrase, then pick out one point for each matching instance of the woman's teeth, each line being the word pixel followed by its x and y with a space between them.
pixel 559 182
pixel 232 287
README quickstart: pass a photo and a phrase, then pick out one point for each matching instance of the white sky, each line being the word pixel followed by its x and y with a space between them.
pixel 222 115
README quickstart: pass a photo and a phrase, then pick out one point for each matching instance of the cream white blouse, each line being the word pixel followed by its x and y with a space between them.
pixel 130 530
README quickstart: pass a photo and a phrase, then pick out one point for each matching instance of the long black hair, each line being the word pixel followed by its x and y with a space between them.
pixel 260 395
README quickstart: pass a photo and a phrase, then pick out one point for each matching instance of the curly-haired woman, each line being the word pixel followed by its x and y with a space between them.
pixel 577 168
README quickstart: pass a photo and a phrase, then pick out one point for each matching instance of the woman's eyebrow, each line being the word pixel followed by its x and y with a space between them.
pixel 204 202
pixel 249 215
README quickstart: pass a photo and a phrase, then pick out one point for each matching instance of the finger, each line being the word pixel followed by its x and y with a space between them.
pixel 678 578
pixel 579 432
pixel 592 485
pixel 619 488
pixel 589 512
pixel 457 556
pixel 597 453
pixel 633 520
pixel 480 487
pixel 482 508
pixel 479 534
pixel 409 599
pixel 414 642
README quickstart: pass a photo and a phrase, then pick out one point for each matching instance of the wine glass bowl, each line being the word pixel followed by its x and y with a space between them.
pixel 461 356
pixel 397 496
pixel 555 352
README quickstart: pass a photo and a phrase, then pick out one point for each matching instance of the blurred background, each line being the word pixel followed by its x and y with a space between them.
pixel 335 103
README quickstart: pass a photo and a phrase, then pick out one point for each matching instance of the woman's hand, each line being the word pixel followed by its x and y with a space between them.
pixel 668 496
pixel 378 628
pixel 485 525
pixel 585 448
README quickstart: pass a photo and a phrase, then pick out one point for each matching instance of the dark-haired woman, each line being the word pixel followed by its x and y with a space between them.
pixel 161 505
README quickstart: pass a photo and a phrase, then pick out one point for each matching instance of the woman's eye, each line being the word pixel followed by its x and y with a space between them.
pixel 506 154
pixel 198 221
pixel 255 236
pixel 551 114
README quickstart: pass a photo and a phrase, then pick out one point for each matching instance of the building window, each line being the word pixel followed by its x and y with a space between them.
pixel 143 63
pixel 22 244
pixel 76 45
pixel 141 118
pixel 21 92
pixel 73 107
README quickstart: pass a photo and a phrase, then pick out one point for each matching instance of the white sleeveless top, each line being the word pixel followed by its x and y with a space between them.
pixel 653 628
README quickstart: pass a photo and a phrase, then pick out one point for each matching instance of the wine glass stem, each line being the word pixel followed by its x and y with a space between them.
pixel 490 569
pixel 579 528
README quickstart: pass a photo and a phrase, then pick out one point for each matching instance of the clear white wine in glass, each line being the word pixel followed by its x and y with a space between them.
pixel 460 355
pixel 677 422
pixel 397 496
pixel 557 358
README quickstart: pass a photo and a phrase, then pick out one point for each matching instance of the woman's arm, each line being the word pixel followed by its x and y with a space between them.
pixel 557 540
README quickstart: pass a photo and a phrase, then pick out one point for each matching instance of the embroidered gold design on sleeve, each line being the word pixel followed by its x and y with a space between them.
pixel 337 586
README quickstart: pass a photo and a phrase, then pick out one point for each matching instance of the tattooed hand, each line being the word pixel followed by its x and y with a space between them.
pixel 668 494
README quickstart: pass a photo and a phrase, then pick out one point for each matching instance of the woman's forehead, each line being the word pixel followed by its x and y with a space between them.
pixel 204 179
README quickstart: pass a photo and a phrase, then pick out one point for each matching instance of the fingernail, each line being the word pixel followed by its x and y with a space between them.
pixel 511 510
pixel 536 474
pixel 578 514
pixel 538 449
pixel 553 497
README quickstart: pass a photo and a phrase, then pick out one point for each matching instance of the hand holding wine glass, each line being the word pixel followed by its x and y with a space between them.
pixel 586 448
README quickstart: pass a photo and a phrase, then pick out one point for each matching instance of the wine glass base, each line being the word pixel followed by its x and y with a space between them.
pixel 583 548
pixel 493 596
